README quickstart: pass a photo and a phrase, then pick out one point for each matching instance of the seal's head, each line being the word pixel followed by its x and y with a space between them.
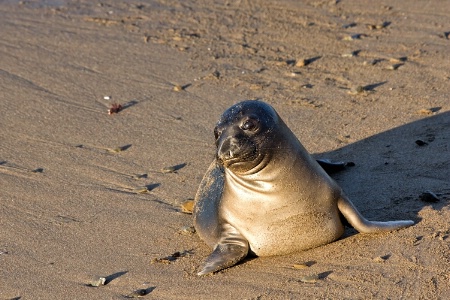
pixel 244 135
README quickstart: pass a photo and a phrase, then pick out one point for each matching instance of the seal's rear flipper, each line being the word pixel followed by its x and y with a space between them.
pixel 231 249
pixel 363 225
pixel 333 167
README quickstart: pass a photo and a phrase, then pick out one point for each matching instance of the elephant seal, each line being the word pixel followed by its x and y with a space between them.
pixel 265 194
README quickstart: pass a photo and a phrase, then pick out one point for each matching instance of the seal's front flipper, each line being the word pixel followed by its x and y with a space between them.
pixel 231 249
pixel 223 256
pixel 207 203
pixel 333 167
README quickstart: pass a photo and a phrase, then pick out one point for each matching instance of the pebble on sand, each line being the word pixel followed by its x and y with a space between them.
pixel 97 281
pixel 310 278
pixel 429 196
pixel 187 206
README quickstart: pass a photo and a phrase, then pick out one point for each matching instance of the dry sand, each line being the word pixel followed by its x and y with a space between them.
pixel 69 203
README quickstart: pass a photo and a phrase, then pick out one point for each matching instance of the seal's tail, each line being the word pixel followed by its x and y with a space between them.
pixel 363 225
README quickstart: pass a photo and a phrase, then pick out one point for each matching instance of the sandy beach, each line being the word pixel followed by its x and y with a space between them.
pixel 87 194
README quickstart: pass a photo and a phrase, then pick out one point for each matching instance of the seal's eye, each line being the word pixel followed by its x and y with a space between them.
pixel 249 125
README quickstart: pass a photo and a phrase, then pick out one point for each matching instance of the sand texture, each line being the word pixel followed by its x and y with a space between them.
pixel 83 193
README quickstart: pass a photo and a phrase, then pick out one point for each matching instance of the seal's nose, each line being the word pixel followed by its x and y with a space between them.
pixel 227 148
pixel 229 144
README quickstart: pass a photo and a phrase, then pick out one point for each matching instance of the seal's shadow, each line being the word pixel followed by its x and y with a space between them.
pixel 392 170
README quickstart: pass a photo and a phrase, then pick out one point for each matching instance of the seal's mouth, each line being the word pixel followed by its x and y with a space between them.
pixel 232 151
pixel 230 157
